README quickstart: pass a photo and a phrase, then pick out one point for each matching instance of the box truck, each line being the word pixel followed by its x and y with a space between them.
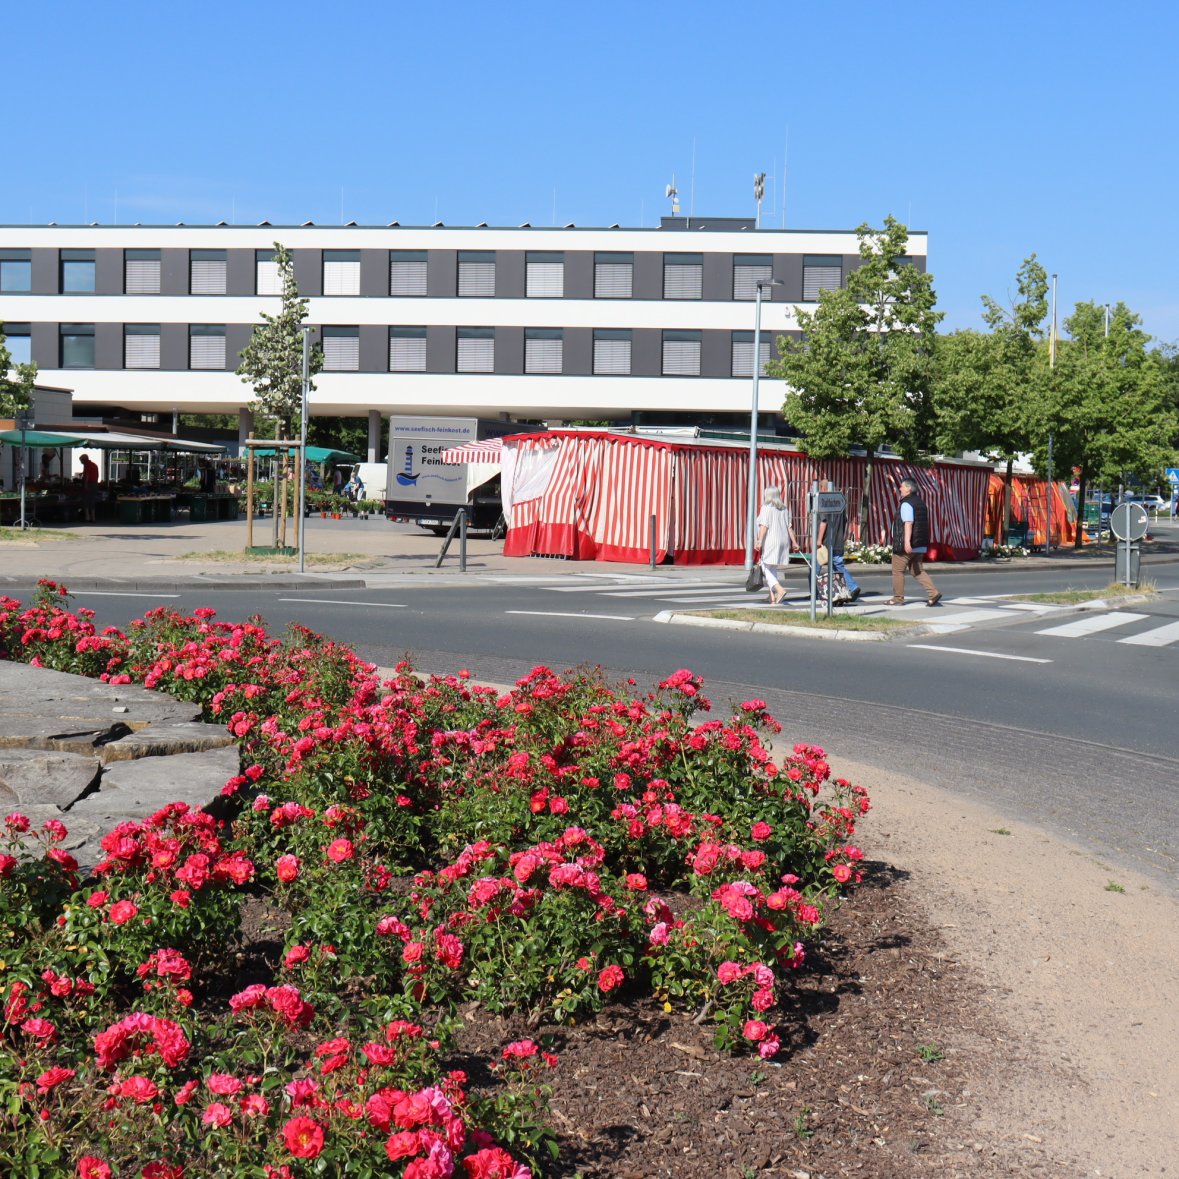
pixel 423 490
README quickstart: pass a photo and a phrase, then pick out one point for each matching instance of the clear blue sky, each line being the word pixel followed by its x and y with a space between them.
pixel 1000 128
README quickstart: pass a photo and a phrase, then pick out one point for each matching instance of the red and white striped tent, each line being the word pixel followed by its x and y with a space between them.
pixel 487 450
pixel 590 495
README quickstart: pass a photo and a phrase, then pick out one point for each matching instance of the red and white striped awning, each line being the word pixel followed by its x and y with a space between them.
pixel 486 451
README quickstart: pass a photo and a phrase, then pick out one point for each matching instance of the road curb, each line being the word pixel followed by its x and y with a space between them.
pixel 244 582
pixel 785 629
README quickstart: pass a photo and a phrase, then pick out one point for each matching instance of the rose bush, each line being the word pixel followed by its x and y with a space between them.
pixel 416 845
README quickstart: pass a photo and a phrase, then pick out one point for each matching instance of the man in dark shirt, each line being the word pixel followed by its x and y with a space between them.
pixel 910 543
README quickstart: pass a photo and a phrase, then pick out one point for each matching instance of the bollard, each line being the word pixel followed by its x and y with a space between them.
pixel 462 540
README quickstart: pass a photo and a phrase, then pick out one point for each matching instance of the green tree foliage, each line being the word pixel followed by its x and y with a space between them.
pixel 861 374
pixel 1109 403
pixel 272 362
pixel 989 386
pixel 16 383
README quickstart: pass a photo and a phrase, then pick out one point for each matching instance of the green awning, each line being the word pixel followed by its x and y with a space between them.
pixel 37 438
pixel 319 454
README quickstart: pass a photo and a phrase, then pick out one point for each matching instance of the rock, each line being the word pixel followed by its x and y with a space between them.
pixel 145 784
pixel 36 777
pixel 164 740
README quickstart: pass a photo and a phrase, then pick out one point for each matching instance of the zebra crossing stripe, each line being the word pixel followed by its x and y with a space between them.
pixel 1160 636
pixel 1092 624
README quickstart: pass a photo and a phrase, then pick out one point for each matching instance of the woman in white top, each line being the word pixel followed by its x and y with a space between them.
pixel 775 535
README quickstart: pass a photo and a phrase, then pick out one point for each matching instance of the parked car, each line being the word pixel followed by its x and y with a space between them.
pixel 1154 504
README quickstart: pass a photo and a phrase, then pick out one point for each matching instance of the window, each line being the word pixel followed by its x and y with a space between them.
pixel 407 272
pixel 407 349
pixel 141 345
pixel 206 345
pixel 543 350
pixel 77 345
pixel 476 274
pixel 476 350
pixel 16 271
pixel 611 353
pixel 19 343
pixel 141 272
pixel 267 280
pixel 545 275
pixel 341 272
pixel 748 271
pixel 681 354
pixel 613 276
pixel 683 276
pixel 820 272
pixel 206 275
pixel 743 354
pixel 77 271
pixel 341 349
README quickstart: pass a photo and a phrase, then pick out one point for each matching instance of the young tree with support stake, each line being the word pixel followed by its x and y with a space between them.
pixel 17 394
pixel 862 372
pixel 989 386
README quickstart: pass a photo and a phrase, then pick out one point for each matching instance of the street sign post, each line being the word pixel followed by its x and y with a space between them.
pixel 1128 523
pixel 823 503
pixel 24 423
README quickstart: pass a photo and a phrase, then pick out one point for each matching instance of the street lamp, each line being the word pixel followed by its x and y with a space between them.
pixel 301 452
pixel 751 510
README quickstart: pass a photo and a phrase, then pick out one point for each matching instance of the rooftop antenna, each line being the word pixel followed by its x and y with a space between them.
pixel 554 204
pixel 692 187
pixel 341 204
pixel 759 191
pixel 785 158
pixel 116 206
pixel 674 193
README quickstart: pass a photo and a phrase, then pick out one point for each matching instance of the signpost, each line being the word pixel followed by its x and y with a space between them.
pixel 1128 522
pixel 24 422
pixel 822 503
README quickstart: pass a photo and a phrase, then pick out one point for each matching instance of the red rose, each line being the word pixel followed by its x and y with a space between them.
pixel 610 977
pixel 122 912
pixel 304 1137
pixel 340 850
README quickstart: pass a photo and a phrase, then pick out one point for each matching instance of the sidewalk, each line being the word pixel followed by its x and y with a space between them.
pixel 376 553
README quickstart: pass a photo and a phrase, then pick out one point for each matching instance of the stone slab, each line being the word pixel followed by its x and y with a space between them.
pixel 163 740
pixel 144 785
pixel 41 777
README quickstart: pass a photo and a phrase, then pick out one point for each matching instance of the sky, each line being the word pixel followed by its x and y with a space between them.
pixel 1000 129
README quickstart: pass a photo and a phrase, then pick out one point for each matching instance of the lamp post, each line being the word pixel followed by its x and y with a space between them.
pixel 751 507
pixel 301 452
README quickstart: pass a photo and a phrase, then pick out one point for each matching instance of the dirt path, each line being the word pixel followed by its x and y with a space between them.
pixel 1083 980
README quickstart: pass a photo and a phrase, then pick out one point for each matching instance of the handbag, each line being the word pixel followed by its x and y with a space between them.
pixel 822 555
pixel 756 579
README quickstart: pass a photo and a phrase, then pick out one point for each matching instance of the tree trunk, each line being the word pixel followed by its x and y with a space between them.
pixel 1079 539
pixel 866 497
pixel 1006 523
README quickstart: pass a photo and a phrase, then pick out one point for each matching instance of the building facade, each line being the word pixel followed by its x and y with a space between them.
pixel 537 323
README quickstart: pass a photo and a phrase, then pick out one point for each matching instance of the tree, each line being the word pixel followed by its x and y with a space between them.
pixel 1108 401
pixel 273 359
pixel 16 392
pixel 861 373
pixel 989 386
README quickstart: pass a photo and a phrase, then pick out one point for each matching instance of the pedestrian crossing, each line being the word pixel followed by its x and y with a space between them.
pixel 1094 624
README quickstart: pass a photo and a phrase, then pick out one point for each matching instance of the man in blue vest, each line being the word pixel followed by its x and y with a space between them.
pixel 910 543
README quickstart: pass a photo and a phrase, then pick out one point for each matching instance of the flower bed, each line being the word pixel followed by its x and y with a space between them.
pixel 423 847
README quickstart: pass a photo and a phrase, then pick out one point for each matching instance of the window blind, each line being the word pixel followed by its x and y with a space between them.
pixel 207 349
pixel 681 354
pixel 407 350
pixel 612 354
pixel 141 276
pixel 613 276
pixel 743 356
pixel 476 353
pixel 141 347
pixel 683 277
pixel 748 271
pixel 820 273
pixel 407 275
pixel 267 280
pixel 545 277
pixel 543 351
pixel 476 276
pixel 341 350
pixel 208 276
pixel 341 276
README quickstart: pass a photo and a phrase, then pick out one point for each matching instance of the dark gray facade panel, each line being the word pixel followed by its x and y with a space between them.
pixel 173 272
pixel 440 347
pixel 646 350
pixel 577 356
pixel 579 274
pixel 374 343
pixel 717 277
pixel 788 271
pixel 374 282
pixel 108 274
pixel 509 346
pixel 851 262
pixel 237 336
pixel 716 354
pixel 174 350
pixel 308 272
pixel 647 276
pixel 510 275
pixel 44 342
pixel 442 282
pixel 108 345
pixel 45 274
pixel 241 275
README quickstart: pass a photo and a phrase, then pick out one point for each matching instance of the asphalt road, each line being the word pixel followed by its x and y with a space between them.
pixel 1074 734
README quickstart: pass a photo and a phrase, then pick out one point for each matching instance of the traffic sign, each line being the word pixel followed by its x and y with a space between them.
pixel 1128 521
pixel 830 503
pixel 1173 476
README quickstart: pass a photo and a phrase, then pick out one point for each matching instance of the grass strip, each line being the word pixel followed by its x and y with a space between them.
pixel 1073 597
pixel 36 534
pixel 803 618
pixel 227 556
